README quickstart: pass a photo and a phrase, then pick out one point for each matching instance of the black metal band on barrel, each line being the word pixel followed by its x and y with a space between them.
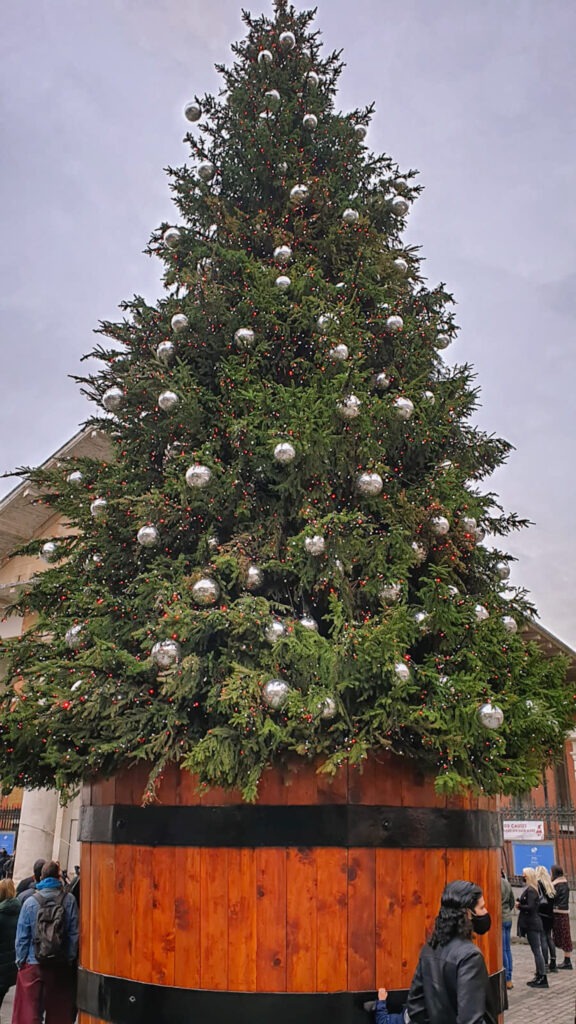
pixel 247 825
pixel 134 1002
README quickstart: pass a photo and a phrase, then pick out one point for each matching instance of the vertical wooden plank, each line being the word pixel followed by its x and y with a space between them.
pixel 214 922
pixel 241 920
pixel 388 919
pixel 188 794
pixel 457 865
pixel 167 788
pixel 163 884
pixel 271 788
pixel 301 934
pixel 302 786
pixel 125 872
pixel 413 868
pixel 105 907
pixel 332 920
pixel 142 933
pixel 103 792
pixel 271 919
pixel 333 789
pixel 418 789
pixel 433 884
pixel 362 919
pixel 218 797
pixel 86 906
pixel 96 930
pixel 187 917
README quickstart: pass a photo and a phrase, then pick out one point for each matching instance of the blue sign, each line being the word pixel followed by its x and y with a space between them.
pixel 7 841
pixel 533 855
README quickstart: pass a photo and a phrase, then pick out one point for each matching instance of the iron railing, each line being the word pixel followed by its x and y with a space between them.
pixel 559 826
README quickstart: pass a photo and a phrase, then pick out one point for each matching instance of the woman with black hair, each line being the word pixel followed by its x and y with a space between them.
pixel 451 984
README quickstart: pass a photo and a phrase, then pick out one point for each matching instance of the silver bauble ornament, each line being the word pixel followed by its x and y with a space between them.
pixel 446 465
pixel 401 264
pixel 403 408
pixel 299 194
pixel 350 216
pixel 439 526
pixel 491 716
pixel 341 286
pixel 328 708
pixel 283 255
pixel 390 592
pixel 453 591
pixel 283 283
pixel 193 111
pixel 469 524
pixel 284 452
pixel 315 545
pixel 272 99
pixel 419 551
pixel 361 131
pixel 510 624
pixel 275 693
pixel 244 337
pixel 382 381
pixel 75 686
pixel 148 536
pixel 49 551
pixel 113 399
pixel 503 570
pixel 165 352
pixel 428 397
pixel 402 671
pixel 265 57
pixel 325 321
pixel 166 653
pixel 400 206
pixel 287 40
pixel 442 341
pixel 198 476
pixel 312 80
pixel 73 638
pixel 481 613
pixel 275 631
pixel 98 508
pixel 369 484
pixel 421 618
pixel 282 167
pixel 205 591
pixel 75 477
pixel 206 170
pixel 168 401
pixel 307 622
pixel 395 324
pixel 171 238
pixel 179 323
pixel 349 407
pixel 213 542
pixel 254 577
pixel 339 353
pixel 479 534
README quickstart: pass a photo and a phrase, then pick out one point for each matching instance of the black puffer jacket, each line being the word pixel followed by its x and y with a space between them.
pixel 529 919
pixel 9 911
pixel 451 986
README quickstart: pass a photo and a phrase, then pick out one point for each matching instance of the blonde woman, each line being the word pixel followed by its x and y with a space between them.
pixel 9 911
pixel 546 896
pixel 530 925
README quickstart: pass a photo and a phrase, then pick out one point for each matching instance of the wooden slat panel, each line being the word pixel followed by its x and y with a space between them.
pixel 272 788
pixel 218 797
pixel 187 917
pixel 103 792
pixel 168 783
pixel 86 906
pixel 214 923
pixel 332 920
pixel 163 897
pixel 418 789
pixel 388 919
pixel 362 919
pixel 97 934
pixel 377 783
pixel 241 920
pixel 142 933
pixel 413 866
pixel 457 865
pixel 125 857
pixel 104 910
pixel 300 920
pixel 271 920
pixel 302 786
pixel 333 789
pixel 188 793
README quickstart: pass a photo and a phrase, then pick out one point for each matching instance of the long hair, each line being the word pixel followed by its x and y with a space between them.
pixel 531 878
pixel 453 921
pixel 543 877
pixel 7 890
pixel 556 871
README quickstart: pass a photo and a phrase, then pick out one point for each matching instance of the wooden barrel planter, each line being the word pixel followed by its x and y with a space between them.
pixel 202 909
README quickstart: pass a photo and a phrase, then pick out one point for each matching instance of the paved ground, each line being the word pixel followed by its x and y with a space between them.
pixel 527 1006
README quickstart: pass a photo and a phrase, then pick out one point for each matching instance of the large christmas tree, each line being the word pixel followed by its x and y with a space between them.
pixel 283 557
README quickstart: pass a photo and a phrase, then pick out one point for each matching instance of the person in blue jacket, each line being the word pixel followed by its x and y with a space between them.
pixel 381 1013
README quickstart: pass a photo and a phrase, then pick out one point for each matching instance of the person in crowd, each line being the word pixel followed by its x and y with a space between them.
pixel 451 984
pixel 561 921
pixel 22 894
pixel 530 925
pixel 9 911
pixel 3 859
pixel 382 1014
pixel 508 903
pixel 546 898
pixel 50 984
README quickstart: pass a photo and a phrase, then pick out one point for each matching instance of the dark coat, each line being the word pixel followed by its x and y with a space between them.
pixel 451 986
pixel 562 901
pixel 9 911
pixel 529 919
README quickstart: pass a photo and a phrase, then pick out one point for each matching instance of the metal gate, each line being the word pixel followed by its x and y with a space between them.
pixel 559 826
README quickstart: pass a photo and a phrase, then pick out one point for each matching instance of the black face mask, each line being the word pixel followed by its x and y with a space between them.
pixel 481 923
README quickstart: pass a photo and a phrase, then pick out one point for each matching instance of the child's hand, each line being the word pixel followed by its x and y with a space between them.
pixel 382 994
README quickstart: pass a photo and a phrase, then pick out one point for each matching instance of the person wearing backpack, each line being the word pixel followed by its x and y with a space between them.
pixel 46 953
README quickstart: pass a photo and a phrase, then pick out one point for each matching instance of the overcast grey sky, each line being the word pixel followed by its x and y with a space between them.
pixel 479 95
